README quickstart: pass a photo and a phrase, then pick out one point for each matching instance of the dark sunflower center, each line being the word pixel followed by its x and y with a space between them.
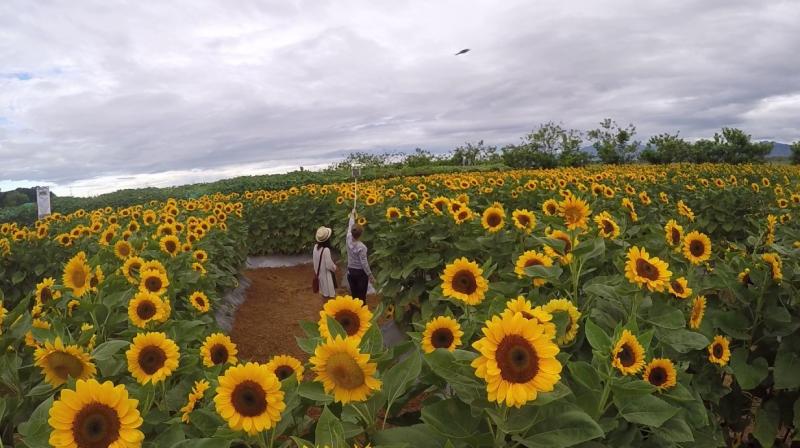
pixel 464 282
pixel 608 228
pixel 696 247
pixel 626 355
pixel 658 376
pixel 394 213
pixel 151 358
pixel 219 354
pixel 349 321
pixel 146 310
pixel 526 315
pixel 456 206
pixel 124 250
pixel 533 262
pixel 109 237
pixel 153 284
pixel 249 399
pixel 344 371
pixel 573 214
pixel 567 244
pixel 439 206
pixel 523 220
pixel 463 214
pixel 171 246
pixel 78 278
pixel 442 338
pixel 646 270
pixel 283 372
pixel 718 350
pixel 96 426
pixel 551 209
pixel 46 294
pixel 94 281
pixel 65 365
pixel 200 302
pixel 493 220
pixel 517 359
pixel 677 287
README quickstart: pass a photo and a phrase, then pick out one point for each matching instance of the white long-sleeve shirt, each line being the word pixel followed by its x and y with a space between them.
pixel 356 251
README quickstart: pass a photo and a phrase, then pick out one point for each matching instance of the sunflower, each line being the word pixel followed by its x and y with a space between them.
pixel 199 268
pixel 673 233
pixel 170 245
pixel 95 415
pixel 775 265
pixel 550 207
pixel 352 314
pixel 123 249
pixel 628 354
pixel 144 308
pixel 493 219
pixel 441 332
pixel 606 226
pixel 153 281
pixel 575 212
pixel 744 278
pixel 696 247
pixel 524 220
pixel 719 351
pixel 556 306
pixel 200 256
pixel 96 278
pixel 565 255
pixel 344 371
pixel 392 214
pixel 535 314
pixel 77 275
pixel 532 258
pixel 152 357
pixel 199 301
pixel 684 210
pixel 679 288
pixel 197 393
pixel 463 280
pixel 440 204
pixel 644 270
pixel 517 359
pixel 218 349
pixel 284 366
pixel 660 372
pixel 249 398
pixel 131 269
pixel 59 362
pixel 3 312
pixel 45 292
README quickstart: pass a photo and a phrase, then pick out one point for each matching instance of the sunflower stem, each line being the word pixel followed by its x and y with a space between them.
pixel 603 398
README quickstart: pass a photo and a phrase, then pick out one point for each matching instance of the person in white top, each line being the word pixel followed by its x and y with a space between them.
pixel 324 267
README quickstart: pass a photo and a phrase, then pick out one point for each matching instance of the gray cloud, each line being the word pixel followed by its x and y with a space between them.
pixel 154 91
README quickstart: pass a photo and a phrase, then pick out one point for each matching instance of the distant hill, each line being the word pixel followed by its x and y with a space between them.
pixel 780 150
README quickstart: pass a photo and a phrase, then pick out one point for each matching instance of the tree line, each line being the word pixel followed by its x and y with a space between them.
pixel 552 145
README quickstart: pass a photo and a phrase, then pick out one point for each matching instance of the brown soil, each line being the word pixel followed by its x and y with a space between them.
pixel 268 321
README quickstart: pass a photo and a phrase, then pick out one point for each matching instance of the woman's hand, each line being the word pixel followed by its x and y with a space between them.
pixel 372 279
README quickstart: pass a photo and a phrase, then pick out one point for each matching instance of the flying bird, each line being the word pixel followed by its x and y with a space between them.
pixel 462 51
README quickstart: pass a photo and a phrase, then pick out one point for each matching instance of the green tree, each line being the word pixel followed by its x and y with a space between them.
pixel 470 154
pixel 14 198
pixel 614 144
pixel 734 146
pixel 795 147
pixel 561 143
pixel 667 148
pixel 420 157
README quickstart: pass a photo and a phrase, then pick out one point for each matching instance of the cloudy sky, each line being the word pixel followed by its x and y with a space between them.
pixel 101 95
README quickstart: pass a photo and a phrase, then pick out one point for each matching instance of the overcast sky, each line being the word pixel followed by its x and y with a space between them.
pixel 101 95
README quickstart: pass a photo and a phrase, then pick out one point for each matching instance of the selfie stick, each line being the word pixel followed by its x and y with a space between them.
pixel 356 171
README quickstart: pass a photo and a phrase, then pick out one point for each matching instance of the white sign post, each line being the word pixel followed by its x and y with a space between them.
pixel 43 201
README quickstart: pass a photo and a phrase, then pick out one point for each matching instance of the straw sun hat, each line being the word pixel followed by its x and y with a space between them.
pixel 323 233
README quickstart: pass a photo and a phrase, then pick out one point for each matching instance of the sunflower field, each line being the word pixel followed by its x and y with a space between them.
pixel 600 306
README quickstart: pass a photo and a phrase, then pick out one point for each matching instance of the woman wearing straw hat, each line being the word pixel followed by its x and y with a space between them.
pixel 324 267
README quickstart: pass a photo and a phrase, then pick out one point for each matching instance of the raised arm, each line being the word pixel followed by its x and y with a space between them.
pixel 350 225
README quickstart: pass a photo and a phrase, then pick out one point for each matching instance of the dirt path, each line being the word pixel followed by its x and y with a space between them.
pixel 268 321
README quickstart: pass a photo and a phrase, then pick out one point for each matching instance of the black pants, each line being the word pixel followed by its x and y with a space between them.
pixel 358 281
